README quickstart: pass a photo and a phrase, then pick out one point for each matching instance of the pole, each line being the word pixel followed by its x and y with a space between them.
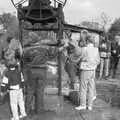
pixel 60 36
pixel 20 32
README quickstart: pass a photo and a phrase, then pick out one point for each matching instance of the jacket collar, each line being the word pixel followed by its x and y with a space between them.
pixel 12 68
pixel 90 45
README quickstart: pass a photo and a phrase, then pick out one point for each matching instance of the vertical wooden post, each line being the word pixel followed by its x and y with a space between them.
pixel 60 36
pixel 20 32
pixel 55 3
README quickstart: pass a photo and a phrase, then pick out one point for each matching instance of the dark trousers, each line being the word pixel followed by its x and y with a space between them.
pixel 71 70
pixel 29 99
pixel 113 66
pixel 35 92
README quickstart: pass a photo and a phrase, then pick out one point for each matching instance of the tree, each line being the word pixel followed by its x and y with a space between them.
pixel 115 28
pixel 90 24
pixel 6 19
pixel 10 23
pixel 104 21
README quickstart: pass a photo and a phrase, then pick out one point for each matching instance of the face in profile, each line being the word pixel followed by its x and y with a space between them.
pixel 75 37
pixel 84 34
pixel 117 39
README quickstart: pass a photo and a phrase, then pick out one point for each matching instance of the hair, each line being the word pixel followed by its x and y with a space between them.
pixel 2 61
pixel 9 39
pixel 12 66
pixel 89 39
pixel 84 32
pixel 82 42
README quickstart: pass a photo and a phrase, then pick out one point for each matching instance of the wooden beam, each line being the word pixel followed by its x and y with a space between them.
pixel 75 28
pixel 42 29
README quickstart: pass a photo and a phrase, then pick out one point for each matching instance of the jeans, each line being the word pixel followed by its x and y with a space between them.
pixel 16 99
pixel 104 67
pixel 87 87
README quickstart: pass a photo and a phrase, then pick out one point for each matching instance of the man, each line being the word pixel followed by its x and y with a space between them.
pixel 104 58
pixel 115 54
pixel 3 69
pixel 82 41
pixel 71 66
pixel 72 59
pixel 13 81
pixel 35 71
pixel 89 61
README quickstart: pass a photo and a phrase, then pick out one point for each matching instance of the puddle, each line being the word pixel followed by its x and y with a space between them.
pixel 108 115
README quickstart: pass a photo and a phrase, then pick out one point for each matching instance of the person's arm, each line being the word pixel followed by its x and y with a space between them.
pixel 4 84
pixel 119 51
pixel 98 57
pixel 78 53
pixel 63 48
pixel 22 80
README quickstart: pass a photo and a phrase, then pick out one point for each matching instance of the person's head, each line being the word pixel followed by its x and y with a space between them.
pixel 84 34
pixel 2 62
pixel 12 66
pixel 102 38
pixel 89 39
pixel 117 38
pixel 75 38
pixel 9 39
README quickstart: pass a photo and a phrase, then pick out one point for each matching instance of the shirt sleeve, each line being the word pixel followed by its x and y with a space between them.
pixel 4 84
pixel 84 54
pixel 22 78
pixel 98 57
pixel 79 51
pixel 22 81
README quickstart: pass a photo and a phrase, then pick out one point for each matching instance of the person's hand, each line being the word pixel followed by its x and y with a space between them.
pixel 109 54
pixel 60 49
pixel 1 94
pixel 114 51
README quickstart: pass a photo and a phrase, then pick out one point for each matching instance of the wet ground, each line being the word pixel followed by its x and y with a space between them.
pixel 106 107
pixel 58 108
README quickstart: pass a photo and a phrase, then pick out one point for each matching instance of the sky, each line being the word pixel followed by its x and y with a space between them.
pixel 77 11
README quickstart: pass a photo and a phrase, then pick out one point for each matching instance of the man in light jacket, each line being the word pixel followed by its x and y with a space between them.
pixel 89 61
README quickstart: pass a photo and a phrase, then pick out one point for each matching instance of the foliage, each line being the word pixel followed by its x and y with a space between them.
pixel 91 25
pixel 5 19
pixel 100 23
pixel 104 21
pixel 10 23
pixel 115 28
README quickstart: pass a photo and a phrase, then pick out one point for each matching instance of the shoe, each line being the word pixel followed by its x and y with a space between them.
pixel 80 107
pixel 90 108
pixel 12 118
pixel 106 78
pixel 113 76
pixel 100 78
pixel 22 116
pixel 94 98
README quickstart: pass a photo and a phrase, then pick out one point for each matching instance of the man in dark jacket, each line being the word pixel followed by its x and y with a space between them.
pixel 104 49
pixel 115 53
pixel 72 60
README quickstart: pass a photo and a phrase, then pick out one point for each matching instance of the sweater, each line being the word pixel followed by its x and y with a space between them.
pixel 13 79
